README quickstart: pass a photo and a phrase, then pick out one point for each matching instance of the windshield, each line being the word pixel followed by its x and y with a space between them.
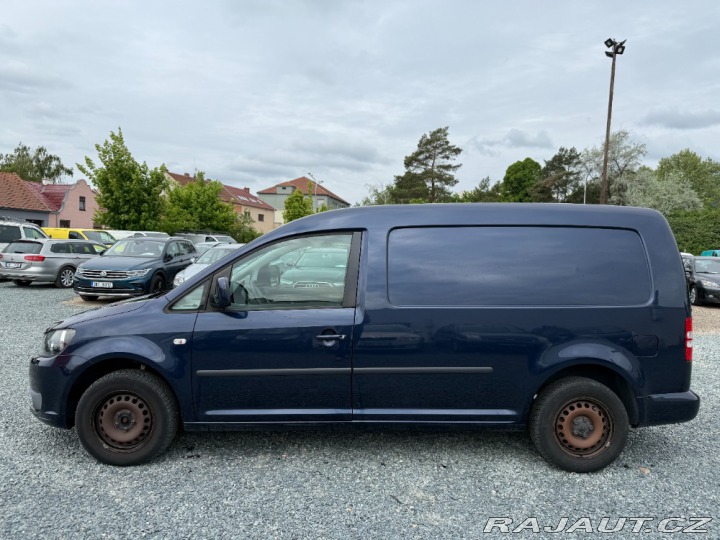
pixel 99 236
pixel 136 247
pixel 214 254
pixel 225 239
pixel 707 266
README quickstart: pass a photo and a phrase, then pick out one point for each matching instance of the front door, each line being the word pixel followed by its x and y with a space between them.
pixel 282 351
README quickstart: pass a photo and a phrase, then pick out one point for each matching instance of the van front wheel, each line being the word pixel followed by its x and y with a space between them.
pixel 127 417
pixel 579 425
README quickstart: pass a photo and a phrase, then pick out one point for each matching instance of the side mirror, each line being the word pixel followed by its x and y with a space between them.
pixel 221 298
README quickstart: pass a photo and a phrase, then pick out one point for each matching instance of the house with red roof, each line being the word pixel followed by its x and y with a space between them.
pixel 242 201
pixel 320 195
pixel 47 205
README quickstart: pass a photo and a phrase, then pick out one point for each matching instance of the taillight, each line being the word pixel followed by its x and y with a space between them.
pixel 34 258
pixel 688 339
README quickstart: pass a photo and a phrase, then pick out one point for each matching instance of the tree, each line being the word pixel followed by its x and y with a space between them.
pixel 243 230
pixel 129 194
pixel 668 194
pixel 378 194
pixel 197 206
pixel 35 166
pixel 484 192
pixel 519 179
pixel 429 170
pixel 624 158
pixel 297 205
pixel 559 178
pixel 703 176
pixel 696 231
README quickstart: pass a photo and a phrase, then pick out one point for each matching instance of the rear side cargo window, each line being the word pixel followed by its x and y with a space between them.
pixel 517 266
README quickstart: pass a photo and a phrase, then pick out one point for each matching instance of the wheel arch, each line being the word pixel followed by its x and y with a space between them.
pixel 105 367
pixel 603 374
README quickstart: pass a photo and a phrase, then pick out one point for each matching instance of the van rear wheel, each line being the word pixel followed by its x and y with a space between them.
pixel 579 424
pixel 127 417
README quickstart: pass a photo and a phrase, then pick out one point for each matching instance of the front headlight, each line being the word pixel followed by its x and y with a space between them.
pixel 56 341
pixel 708 283
pixel 179 280
pixel 138 273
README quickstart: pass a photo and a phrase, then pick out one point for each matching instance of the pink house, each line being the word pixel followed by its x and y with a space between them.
pixel 71 205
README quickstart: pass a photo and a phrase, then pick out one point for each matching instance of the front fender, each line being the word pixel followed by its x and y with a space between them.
pixel 164 357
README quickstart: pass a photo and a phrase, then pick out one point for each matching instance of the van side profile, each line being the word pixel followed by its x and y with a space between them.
pixel 570 322
pixel 95 235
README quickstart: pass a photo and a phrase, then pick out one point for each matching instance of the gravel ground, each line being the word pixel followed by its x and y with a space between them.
pixel 336 485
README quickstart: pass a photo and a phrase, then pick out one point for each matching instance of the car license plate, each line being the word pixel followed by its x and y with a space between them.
pixel 102 284
pixel 13 265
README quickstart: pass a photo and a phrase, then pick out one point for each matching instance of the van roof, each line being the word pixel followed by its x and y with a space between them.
pixel 389 216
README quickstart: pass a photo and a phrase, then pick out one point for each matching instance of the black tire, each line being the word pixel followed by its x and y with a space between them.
pixel 599 420
pixel 157 284
pixel 21 282
pixel 65 277
pixel 127 417
pixel 694 296
pixel 89 297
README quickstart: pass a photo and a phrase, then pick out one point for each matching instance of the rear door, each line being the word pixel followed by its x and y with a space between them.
pixel 281 352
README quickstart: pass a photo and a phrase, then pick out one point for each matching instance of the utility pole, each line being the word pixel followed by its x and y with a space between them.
pixel 617 48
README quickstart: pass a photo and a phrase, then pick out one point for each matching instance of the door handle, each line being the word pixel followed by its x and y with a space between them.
pixel 330 337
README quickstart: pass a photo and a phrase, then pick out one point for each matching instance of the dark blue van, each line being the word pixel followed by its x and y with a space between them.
pixel 572 322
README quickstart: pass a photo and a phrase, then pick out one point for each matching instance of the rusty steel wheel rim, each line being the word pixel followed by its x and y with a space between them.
pixel 124 421
pixel 583 427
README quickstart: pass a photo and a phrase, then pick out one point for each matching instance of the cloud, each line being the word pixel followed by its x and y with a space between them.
pixel 675 119
pixel 18 77
pixel 514 138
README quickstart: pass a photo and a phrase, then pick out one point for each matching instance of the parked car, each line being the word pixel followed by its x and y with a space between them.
pixel 210 256
pixel 134 266
pixel 46 261
pixel 202 247
pixel 550 340
pixel 97 235
pixel 317 267
pixel 17 229
pixel 119 234
pixel 196 238
pixel 703 279
pixel 710 253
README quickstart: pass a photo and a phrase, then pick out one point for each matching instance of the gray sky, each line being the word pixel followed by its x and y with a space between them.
pixel 260 92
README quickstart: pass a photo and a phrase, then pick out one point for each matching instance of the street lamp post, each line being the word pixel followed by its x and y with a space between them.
pixel 617 48
pixel 315 205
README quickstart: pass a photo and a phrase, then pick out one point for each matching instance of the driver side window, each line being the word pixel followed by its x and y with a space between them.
pixel 308 272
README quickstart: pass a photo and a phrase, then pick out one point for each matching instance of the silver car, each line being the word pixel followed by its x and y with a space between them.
pixel 206 259
pixel 45 260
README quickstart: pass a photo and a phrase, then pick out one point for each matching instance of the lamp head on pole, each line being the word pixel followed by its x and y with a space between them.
pixel 617 48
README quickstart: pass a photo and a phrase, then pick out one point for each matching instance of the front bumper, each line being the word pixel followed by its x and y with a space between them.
pixel 658 409
pixel 121 288
pixel 710 296
pixel 49 385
